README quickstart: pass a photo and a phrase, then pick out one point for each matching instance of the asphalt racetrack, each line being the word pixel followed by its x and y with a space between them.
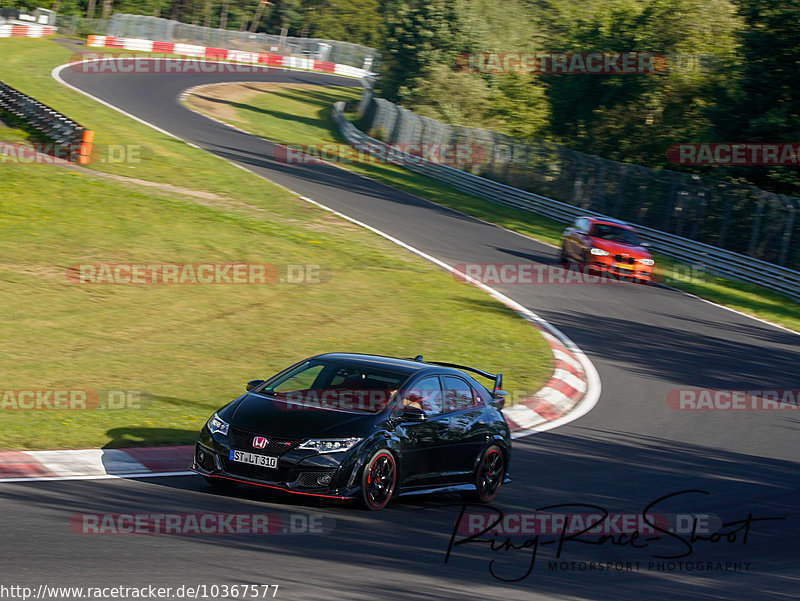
pixel 738 469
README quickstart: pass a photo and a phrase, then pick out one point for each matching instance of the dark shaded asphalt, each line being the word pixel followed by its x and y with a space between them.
pixel 629 451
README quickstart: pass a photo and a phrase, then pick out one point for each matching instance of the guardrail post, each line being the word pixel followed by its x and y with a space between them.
pixel 787 234
pixel 723 228
pixel 751 247
pixel 86 147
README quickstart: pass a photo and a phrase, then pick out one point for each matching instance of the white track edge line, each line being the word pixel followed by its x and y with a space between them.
pixel 589 399
pixel 56 74
pixel 99 477
pixel 587 402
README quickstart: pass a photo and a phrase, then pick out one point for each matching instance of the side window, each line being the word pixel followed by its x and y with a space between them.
pixel 602 231
pixel 425 394
pixel 457 394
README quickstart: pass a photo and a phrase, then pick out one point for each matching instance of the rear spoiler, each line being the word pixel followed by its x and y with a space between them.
pixel 497 392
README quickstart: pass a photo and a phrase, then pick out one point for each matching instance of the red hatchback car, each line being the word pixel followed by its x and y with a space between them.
pixel 607 245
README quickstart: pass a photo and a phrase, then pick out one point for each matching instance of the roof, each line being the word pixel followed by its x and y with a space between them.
pixel 406 366
pixel 611 220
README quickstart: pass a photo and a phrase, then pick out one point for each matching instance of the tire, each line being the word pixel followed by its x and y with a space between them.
pixel 563 258
pixel 379 480
pixel 489 475
pixel 221 483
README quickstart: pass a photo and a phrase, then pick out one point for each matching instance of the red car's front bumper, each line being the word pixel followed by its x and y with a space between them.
pixel 635 270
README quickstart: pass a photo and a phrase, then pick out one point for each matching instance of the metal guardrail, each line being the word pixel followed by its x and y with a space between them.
pixel 730 215
pixel 45 120
pixel 708 258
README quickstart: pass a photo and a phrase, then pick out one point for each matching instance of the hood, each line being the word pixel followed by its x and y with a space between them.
pixel 263 415
pixel 618 248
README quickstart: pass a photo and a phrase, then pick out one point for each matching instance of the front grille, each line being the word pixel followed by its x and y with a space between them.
pixel 242 440
pixel 621 259
pixel 309 479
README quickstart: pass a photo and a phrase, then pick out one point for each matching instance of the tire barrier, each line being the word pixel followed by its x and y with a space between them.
pixel 221 54
pixel 49 123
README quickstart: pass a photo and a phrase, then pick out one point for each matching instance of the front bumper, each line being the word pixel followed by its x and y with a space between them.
pixel 316 475
pixel 636 270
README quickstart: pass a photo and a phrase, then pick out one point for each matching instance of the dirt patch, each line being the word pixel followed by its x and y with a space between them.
pixel 218 99
pixel 202 197
pixel 208 199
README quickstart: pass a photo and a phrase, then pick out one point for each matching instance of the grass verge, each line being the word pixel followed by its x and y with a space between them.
pixel 180 351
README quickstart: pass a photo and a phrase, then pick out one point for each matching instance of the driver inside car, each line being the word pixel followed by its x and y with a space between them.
pixel 425 398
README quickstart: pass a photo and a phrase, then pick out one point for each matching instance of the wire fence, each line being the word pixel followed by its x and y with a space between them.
pixel 165 30
pixel 735 217
pixel 696 255
pixel 81 26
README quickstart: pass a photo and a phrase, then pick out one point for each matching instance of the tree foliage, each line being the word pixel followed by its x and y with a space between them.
pixel 732 66
pixel 357 21
pixel 764 106
pixel 420 36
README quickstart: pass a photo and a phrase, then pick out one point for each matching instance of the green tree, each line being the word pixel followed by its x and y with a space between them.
pixel 421 35
pixel 765 106
pixel 519 106
pixel 356 21
pixel 286 14
pixel 450 96
pixel 636 117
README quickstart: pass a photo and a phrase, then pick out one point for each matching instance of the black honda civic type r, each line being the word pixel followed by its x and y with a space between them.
pixel 365 427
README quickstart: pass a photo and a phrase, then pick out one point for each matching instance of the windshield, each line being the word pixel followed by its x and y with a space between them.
pixel 614 233
pixel 319 384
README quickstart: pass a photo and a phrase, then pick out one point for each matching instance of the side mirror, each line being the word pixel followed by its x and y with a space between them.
pixel 253 384
pixel 412 414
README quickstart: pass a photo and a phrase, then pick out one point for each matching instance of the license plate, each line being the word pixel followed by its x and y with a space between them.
pixel 254 459
pixel 623 266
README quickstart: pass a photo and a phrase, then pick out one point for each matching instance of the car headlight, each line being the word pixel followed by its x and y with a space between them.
pixel 217 424
pixel 646 261
pixel 599 252
pixel 330 445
